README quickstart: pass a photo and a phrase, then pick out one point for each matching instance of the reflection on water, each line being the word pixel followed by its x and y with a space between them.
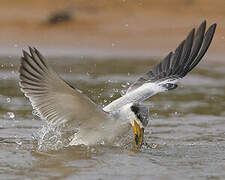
pixel 186 136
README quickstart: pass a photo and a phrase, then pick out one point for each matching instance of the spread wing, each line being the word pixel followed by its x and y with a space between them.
pixel 173 67
pixel 56 101
pixel 177 64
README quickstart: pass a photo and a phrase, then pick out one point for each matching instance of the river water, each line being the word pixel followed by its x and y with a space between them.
pixel 184 140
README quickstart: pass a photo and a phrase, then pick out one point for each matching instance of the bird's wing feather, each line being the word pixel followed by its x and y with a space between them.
pixel 56 101
pixel 172 68
pixel 177 64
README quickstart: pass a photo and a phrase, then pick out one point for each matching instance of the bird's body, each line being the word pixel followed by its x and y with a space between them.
pixel 113 126
pixel 64 107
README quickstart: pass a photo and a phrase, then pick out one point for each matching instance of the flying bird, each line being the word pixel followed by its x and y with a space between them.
pixel 65 107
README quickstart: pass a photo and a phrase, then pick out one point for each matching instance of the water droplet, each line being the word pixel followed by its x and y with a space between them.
pixel 110 81
pixel 111 95
pixel 11 115
pixel 154 146
pixel 103 126
pixel 116 90
pixel 8 100
pixel 167 106
pixel 93 150
pixel 19 142
pixel 78 90
pixel 36 113
pixel 33 137
pixel 123 92
pixel 123 85
pixel 102 142
pixel 155 115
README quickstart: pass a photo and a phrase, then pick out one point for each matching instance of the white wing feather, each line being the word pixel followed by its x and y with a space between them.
pixel 173 67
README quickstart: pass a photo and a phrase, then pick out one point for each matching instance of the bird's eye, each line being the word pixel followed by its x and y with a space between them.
pixel 135 109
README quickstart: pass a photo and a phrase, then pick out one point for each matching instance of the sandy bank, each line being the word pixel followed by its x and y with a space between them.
pixel 141 27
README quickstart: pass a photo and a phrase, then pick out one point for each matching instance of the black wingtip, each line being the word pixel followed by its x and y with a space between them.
pixel 205 45
pixel 214 25
pixel 201 28
pixel 213 28
pixel 26 54
pixel 37 52
pixel 203 23
pixel 35 49
pixel 178 63
pixel 30 48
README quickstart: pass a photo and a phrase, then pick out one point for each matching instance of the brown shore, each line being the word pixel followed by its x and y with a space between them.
pixel 144 27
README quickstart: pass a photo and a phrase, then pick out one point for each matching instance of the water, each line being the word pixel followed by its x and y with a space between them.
pixel 186 136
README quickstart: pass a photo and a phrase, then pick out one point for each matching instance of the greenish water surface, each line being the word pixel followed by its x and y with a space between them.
pixel 186 135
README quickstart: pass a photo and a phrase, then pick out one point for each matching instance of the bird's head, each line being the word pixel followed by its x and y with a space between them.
pixel 139 121
pixel 138 116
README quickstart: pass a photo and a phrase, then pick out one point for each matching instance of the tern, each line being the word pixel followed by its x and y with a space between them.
pixel 65 107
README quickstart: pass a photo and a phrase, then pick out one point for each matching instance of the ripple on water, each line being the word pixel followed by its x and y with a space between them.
pixel 185 138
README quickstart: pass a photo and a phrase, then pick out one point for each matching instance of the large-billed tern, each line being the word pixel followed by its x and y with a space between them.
pixel 65 107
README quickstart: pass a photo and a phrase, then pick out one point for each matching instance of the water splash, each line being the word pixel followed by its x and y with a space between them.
pixel 8 100
pixel 50 138
pixel 36 113
pixel 11 115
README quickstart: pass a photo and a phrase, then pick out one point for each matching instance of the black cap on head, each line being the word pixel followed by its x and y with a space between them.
pixel 142 113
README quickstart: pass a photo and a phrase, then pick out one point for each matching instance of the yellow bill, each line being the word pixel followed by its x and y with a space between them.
pixel 138 134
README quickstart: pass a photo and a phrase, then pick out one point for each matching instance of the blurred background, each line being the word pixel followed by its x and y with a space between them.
pixel 101 47
pixel 112 27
